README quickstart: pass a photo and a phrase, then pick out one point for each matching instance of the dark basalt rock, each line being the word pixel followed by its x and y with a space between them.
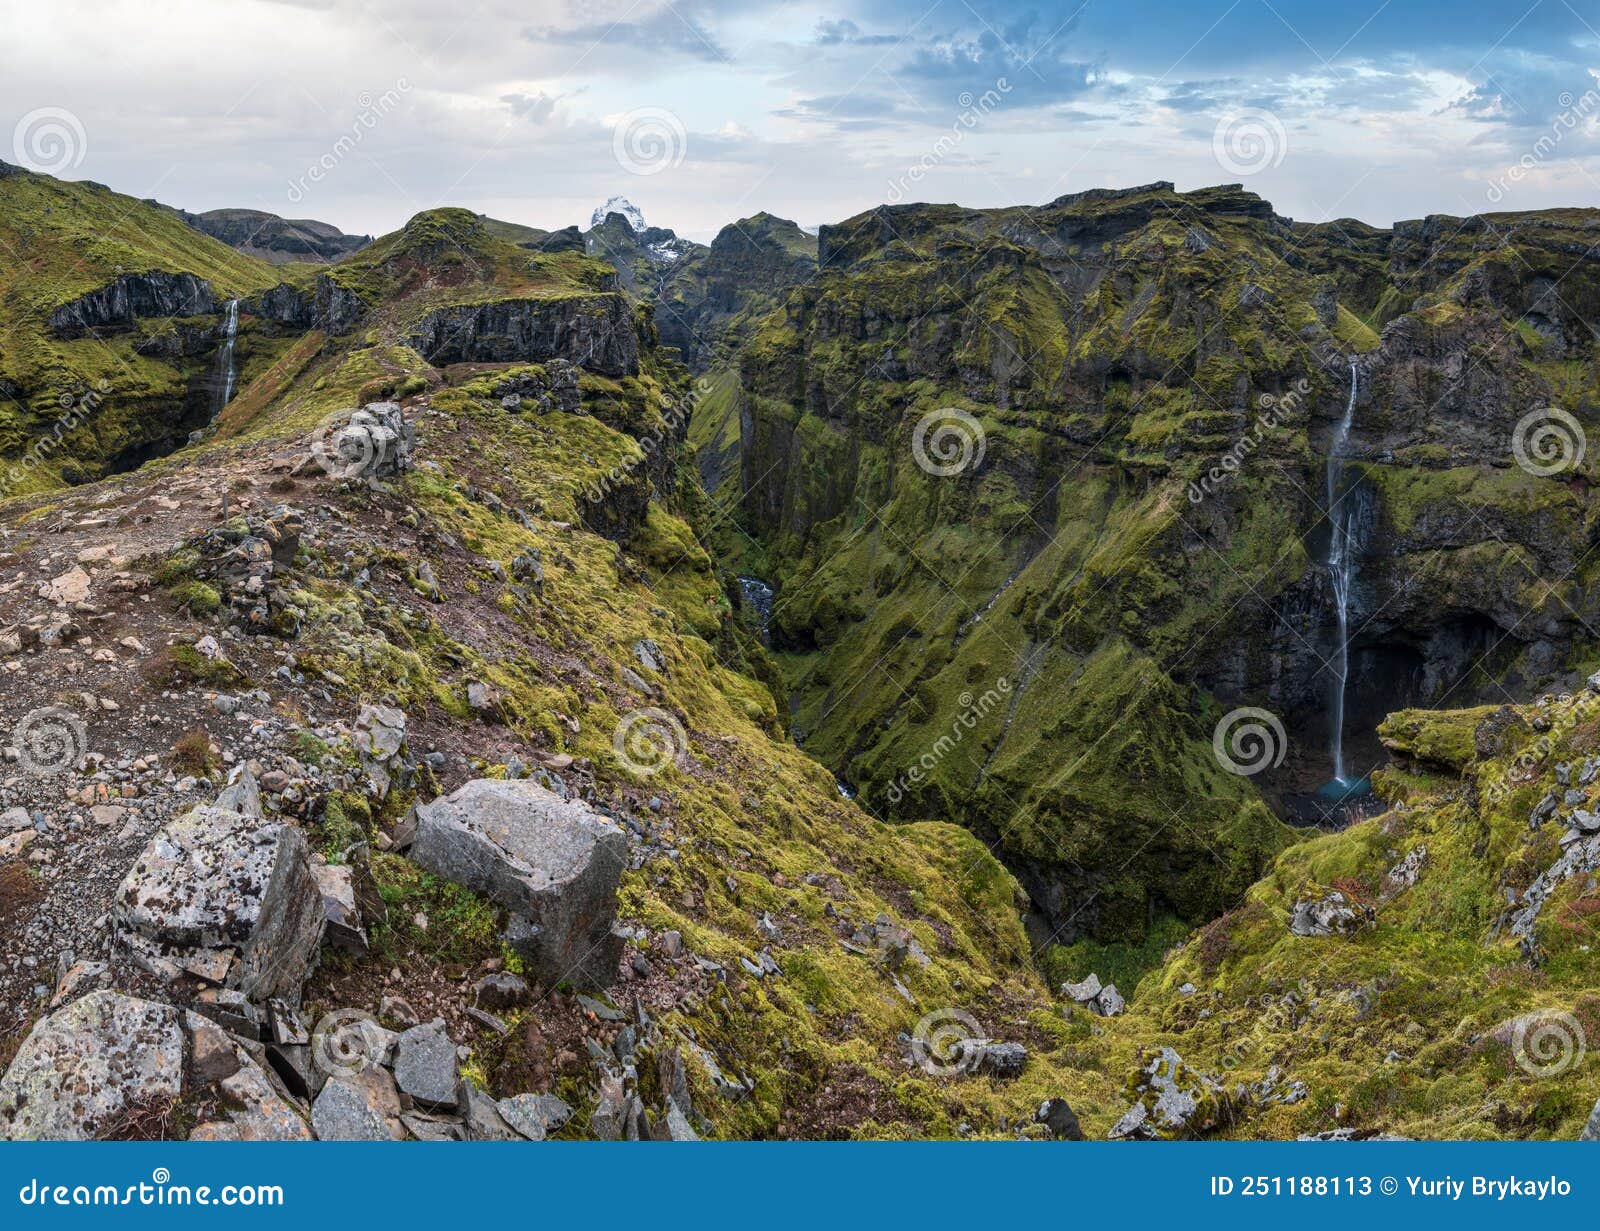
pixel 118 305
pixel 596 332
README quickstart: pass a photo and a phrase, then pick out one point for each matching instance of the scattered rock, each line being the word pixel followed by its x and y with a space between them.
pixel 425 1065
pixel 1171 1100
pixel 554 863
pixel 225 897
pixel 342 917
pixel 1060 1119
pixel 535 1116
pixel 1329 915
pixel 363 1107
pixel 85 1069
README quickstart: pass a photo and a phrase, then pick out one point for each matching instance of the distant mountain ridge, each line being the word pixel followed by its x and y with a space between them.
pixel 275 240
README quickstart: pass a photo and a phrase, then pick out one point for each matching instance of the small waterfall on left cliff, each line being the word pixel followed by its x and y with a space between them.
pixel 227 373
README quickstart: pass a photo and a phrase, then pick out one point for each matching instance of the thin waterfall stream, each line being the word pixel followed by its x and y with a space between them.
pixel 1341 569
pixel 227 370
pixel 1347 508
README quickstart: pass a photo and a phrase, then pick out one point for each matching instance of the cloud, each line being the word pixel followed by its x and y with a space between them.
pixel 843 32
pixel 538 107
pixel 672 30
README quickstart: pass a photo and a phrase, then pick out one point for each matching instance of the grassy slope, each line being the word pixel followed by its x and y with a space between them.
pixel 1074 563
pixel 58 240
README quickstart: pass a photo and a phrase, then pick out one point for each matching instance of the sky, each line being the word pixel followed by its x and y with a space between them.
pixel 704 111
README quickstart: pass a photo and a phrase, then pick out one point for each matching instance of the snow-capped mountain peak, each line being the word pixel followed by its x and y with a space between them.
pixel 623 206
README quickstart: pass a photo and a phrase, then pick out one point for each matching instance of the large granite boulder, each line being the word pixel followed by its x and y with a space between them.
pixel 113 1066
pixel 224 897
pixel 554 864
pixel 92 1068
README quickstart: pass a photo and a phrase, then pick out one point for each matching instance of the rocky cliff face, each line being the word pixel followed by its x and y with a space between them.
pixel 598 332
pixel 710 298
pixel 116 306
pixel 1082 449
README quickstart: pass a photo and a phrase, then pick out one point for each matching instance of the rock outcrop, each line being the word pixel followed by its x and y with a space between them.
pixel 555 864
pixel 1172 1100
pixel 597 332
pixel 120 304
pixel 224 897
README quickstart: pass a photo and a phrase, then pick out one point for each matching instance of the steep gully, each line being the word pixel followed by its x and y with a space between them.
pixel 1346 501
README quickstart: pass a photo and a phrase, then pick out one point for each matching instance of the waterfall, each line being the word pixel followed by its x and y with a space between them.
pixel 227 374
pixel 1344 523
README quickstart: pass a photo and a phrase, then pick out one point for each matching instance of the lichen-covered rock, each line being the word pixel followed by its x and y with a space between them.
pixel 554 863
pixel 226 898
pixel 1328 915
pixel 360 1107
pixel 86 1069
pixel 535 1116
pixel 372 443
pixel 1171 1100
pixel 342 916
